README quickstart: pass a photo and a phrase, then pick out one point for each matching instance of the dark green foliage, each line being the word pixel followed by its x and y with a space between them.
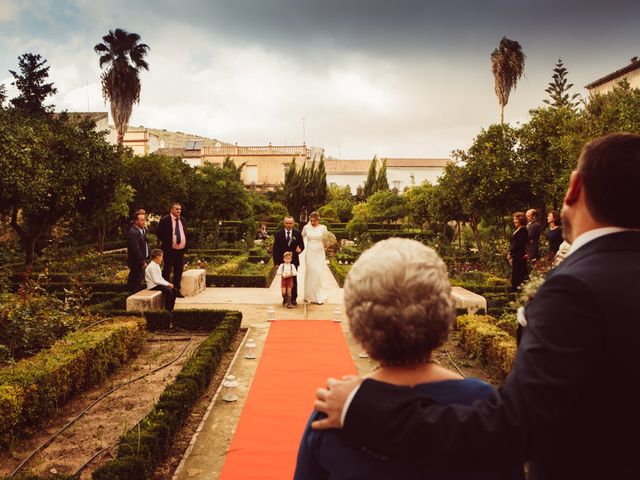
pixel 371 183
pixel 31 83
pixel 381 181
pixel 558 89
pixel 191 320
pixel 143 447
pixel 306 188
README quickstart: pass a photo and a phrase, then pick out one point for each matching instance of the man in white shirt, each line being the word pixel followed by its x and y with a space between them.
pixel 155 281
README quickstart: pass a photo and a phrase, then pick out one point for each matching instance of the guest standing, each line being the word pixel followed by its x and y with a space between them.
pixel 533 229
pixel 172 235
pixel 517 251
pixel 137 253
pixel 554 233
pixel 262 233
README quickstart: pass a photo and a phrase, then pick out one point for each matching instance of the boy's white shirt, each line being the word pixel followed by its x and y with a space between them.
pixel 153 275
pixel 291 270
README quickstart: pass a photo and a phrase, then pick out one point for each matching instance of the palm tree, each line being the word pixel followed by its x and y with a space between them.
pixel 507 65
pixel 123 58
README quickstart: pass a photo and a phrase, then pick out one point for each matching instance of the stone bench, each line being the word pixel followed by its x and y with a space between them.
pixel 145 300
pixel 193 282
pixel 472 302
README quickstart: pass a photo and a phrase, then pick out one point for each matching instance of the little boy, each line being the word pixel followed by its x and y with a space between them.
pixel 153 277
pixel 287 271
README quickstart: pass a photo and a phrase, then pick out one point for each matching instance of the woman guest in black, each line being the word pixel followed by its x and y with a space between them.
pixel 516 255
pixel 554 234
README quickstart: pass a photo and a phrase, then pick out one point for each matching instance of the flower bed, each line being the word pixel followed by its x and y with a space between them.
pixel 33 389
pixel 144 447
pixel 339 271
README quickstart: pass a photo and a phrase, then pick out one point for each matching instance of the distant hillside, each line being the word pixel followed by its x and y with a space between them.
pixel 179 139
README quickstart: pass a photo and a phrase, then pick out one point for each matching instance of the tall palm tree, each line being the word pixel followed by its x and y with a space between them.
pixel 507 65
pixel 123 58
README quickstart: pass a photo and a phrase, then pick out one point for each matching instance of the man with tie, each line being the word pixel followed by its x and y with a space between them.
pixel 172 235
pixel 137 252
pixel 288 239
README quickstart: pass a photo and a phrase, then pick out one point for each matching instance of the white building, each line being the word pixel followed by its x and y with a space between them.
pixel 630 73
pixel 402 173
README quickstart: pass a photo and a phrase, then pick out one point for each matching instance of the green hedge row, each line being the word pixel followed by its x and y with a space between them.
pixel 339 271
pixel 191 319
pixel 145 446
pixel 33 389
pixel 254 281
pixel 482 339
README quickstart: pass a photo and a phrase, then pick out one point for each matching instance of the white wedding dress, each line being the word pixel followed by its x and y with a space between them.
pixel 314 263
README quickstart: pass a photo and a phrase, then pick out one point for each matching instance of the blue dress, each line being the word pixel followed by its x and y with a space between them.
pixel 322 455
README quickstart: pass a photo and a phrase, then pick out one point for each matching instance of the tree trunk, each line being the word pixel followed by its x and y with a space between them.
pixel 476 234
pixel 459 233
pixel 101 234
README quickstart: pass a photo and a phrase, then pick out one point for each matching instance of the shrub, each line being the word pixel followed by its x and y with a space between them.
pixel 482 339
pixel 39 385
pixel 355 228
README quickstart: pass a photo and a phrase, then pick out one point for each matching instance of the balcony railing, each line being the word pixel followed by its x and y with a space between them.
pixel 269 150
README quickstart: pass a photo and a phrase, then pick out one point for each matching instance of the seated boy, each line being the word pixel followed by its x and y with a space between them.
pixel 153 277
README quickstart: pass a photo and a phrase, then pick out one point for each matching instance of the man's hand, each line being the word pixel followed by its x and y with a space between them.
pixel 298 250
pixel 170 285
pixel 331 400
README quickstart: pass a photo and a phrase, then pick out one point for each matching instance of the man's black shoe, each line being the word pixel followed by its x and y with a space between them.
pixel 179 295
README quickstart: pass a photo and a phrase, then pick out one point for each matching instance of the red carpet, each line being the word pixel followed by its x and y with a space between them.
pixel 297 358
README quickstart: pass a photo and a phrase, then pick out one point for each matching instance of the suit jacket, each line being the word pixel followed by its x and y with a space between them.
pixel 568 407
pixel 518 243
pixel 280 246
pixel 164 232
pixel 534 239
pixel 136 248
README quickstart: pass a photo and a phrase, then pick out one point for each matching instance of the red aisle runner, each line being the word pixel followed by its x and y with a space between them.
pixel 297 358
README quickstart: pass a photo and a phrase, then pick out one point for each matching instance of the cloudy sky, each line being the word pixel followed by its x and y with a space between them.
pixel 392 78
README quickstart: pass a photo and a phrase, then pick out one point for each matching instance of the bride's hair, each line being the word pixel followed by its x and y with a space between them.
pixel 315 215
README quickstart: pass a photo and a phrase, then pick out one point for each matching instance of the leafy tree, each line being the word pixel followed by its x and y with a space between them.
pixel 31 83
pixel 123 58
pixel 305 188
pixel 45 164
pixel 381 181
pixel 386 206
pixel 447 203
pixel 219 195
pixel 558 89
pixel 549 144
pixel 158 181
pixel 371 182
pixel 507 65
pixel 615 111
pixel 230 165
pixel 420 203
pixel 328 213
pixel 3 95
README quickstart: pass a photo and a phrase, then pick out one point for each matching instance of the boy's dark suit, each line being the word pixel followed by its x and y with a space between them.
pixel 281 245
pixel 173 258
pixel 569 406
pixel 137 253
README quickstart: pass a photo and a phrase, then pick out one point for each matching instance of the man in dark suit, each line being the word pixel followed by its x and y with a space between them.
pixel 533 229
pixel 569 406
pixel 137 253
pixel 172 235
pixel 288 239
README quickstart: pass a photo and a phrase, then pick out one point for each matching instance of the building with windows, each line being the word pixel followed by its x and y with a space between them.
pixel 630 73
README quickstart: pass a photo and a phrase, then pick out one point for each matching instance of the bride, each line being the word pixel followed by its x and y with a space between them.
pixel 314 234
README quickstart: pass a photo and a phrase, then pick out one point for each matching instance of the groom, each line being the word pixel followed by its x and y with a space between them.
pixel 288 240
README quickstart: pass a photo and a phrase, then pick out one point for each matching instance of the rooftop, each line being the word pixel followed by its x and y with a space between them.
pixel 634 65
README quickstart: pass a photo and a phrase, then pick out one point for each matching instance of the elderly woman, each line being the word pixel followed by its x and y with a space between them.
pixel 518 251
pixel 398 300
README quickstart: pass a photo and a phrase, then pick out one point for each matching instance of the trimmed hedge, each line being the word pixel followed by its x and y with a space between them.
pixel 192 320
pixel 339 271
pixel 33 389
pixel 256 281
pixel 482 339
pixel 144 447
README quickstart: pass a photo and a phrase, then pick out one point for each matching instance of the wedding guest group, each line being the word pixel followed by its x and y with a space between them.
pixel 173 236
pixel 568 408
pixel 399 318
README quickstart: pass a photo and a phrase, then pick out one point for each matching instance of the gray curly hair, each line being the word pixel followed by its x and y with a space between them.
pixel 398 300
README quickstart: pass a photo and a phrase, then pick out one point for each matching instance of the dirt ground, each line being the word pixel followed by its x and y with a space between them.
pixel 103 424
